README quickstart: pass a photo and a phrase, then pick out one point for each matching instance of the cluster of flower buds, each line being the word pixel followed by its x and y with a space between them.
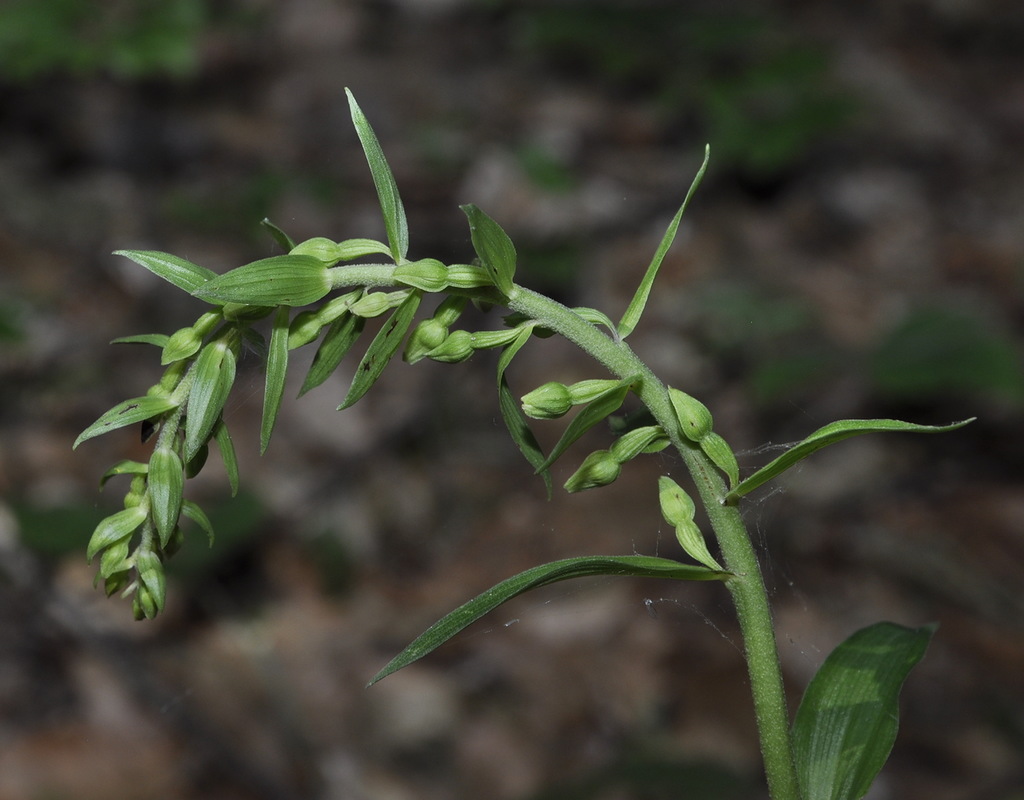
pixel 433 339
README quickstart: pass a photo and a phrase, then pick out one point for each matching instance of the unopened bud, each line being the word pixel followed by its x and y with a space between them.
pixel 425 337
pixel 695 420
pixel 427 274
pixel 598 469
pixel 548 401
pixel 458 346
pixel 320 248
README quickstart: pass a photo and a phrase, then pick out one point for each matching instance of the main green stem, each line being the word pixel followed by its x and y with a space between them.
pixel 746 586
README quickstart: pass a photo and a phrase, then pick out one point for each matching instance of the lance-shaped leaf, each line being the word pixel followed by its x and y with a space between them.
pixel 338 340
pixel 834 432
pixel 222 437
pixel 492 245
pixel 129 412
pixel 583 567
pixel 848 718
pixel 592 413
pixel 381 349
pixel 283 240
pixel 512 413
pixel 387 191
pixel 214 376
pixel 125 467
pixel 198 516
pixel 277 368
pixel 636 306
pixel 183 274
pixel 289 280
pixel 115 528
pixel 159 339
pixel 166 482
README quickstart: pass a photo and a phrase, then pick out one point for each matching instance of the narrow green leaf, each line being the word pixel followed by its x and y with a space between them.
pixel 387 191
pixel 595 317
pixel 165 482
pixel 381 349
pixel 159 339
pixel 846 724
pixel 198 516
pixel 639 302
pixel 277 368
pixel 338 340
pixel 125 467
pixel 833 432
pixel 183 274
pixel 227 454
pixel 349 249
pixel 129 412
pixel 115 528
pixel 214 376
pixel 565 569
pixel 289 280
pixel 512 413
pixel 492 245
pixel 592 413
pixel 284 241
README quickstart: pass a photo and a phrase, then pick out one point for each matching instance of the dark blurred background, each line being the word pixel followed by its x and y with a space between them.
pixel 856 250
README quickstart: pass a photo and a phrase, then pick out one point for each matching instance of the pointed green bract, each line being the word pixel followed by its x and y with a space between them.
pixel 583 567
pixel 512 414
pixel 128 412
pixel 214 376
pixel 222 437
pixel 846 724
pixel 382 348
pixel 289 280
pixel 183 274
pixel 639 302
pixel 340 336
pixel 387 191
pixel 596 410
pixel 124 467
pixel 283 240
pixel 159 339
pixel 492 245
pixel 829 434
pixel 115 528
pixel 277 368
pixel 198 516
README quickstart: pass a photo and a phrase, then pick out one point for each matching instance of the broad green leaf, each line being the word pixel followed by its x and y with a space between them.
pixel 183 274
pixel 592 413
pixel 846 724
pixel 214 376
pixel 166 483
pixel 381 349
pixel 583 567
pixel 277 368
pixel 198 516
pixel 125 467
pixel 159 339
pixel 512 414
pixel 115 528
pixel 338 340
pixel 283 240
pixel 387 191
pixel 834 432
pixel 129 412
pixel 227 454
pixel 492 245
pixel 636 306
pixel 276 281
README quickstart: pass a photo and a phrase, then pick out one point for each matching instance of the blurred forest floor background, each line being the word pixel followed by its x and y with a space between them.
pixel 856 250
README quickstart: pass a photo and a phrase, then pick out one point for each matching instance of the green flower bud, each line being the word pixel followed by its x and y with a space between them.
pixel 116 583
pixel 151 578
pixel 649 439
pixel 143 604
pixel 115 528
pixel 467 276
pixel 137 490
pixel 449 310
pixel 376 303
pixel 320 248
pixel 304 328
pixel 548 401
pixel 598 469
pixel 458 346
pixel 427 274
pixel 184 342
pixel 694 418
pixel 114 559
pixel 425 337
pixel 291 280
pixel 485 340
pixel 166 484
pixel 677 506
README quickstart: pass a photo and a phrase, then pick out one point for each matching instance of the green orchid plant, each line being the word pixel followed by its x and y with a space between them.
pixel 846 724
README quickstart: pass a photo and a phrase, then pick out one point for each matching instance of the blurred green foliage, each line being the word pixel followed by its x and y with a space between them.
pixel 125 38
pixel 761 96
